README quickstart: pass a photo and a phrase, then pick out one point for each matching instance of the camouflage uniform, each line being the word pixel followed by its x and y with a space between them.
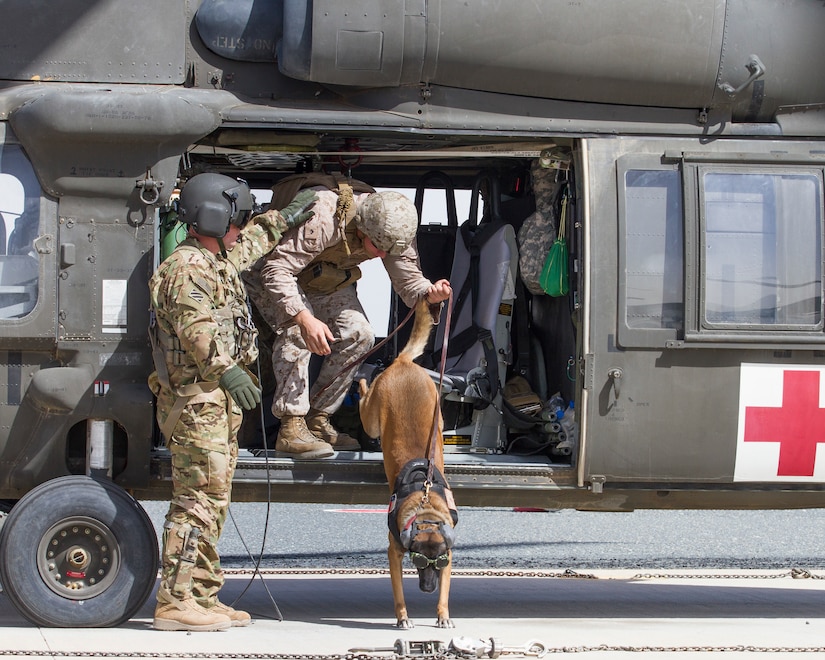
pixel 279 297
pixel 202 319
pixel 538 232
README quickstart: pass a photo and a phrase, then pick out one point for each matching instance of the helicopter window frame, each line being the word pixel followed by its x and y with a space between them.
pixel 701 271
pixel 651 254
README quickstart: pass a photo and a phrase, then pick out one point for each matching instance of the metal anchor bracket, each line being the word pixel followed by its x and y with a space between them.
pixel 466 647
pixel 149 188
pixel 459 647
pixel 405 647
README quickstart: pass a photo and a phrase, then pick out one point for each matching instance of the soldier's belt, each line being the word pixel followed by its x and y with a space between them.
pixel 185 394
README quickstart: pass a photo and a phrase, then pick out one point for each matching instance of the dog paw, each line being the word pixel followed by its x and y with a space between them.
pixel 444 623
pixel 405 624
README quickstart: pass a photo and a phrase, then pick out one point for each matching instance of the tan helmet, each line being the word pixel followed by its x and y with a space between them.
pixel 389 219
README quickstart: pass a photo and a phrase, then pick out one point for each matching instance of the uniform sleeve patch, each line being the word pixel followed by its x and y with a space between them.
pixel 197 296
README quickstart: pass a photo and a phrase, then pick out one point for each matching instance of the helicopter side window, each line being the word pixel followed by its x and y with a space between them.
pixel 654 249
pixel 762 250
pixel 20 212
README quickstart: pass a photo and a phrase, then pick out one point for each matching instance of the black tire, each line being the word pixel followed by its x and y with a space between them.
pixel 76 552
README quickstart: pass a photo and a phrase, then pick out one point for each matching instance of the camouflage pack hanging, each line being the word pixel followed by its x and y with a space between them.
pixel 539 229
pixel 554 276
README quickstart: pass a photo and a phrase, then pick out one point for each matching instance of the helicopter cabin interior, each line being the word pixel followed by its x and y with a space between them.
pixel 510 371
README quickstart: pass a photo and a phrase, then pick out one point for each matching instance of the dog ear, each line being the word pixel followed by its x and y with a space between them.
pixel 448 533
pixel 362 387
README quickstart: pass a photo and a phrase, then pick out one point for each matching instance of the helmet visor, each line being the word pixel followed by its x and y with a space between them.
pixel 241 203
pixel 241 217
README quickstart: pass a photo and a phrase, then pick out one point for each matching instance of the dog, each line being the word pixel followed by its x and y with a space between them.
pixel 401 407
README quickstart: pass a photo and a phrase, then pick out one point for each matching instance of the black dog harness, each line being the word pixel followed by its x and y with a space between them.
pixel 412 478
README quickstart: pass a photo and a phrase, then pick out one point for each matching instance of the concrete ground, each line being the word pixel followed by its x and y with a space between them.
pixel 611 614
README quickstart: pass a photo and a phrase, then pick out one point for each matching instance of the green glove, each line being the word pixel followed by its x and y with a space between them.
pixel 295 213
pixel 238 383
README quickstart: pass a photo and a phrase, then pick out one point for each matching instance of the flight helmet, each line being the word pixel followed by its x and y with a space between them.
pixel 389 219
pixel 211 202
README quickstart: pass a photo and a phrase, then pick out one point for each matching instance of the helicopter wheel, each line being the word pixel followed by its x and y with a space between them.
pixel 76 552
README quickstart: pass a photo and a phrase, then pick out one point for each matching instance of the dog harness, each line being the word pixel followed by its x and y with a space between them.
pixel 412 478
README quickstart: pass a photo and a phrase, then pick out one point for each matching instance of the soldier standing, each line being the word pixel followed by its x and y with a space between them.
pixel 203 340
pixel 306 292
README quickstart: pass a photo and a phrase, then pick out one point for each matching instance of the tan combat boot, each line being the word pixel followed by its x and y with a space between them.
pixel 319 425
pixel 185 614
pixel 237 617
pixel 295 439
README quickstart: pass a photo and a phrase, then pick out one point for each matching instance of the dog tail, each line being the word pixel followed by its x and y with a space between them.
pixel 422 327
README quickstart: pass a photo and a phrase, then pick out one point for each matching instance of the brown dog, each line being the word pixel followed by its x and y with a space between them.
pixel 401 407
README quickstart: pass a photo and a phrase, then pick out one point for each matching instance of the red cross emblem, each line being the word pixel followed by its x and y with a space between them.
pixel 798 425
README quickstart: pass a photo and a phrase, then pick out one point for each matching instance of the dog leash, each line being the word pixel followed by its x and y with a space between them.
pixel 442 366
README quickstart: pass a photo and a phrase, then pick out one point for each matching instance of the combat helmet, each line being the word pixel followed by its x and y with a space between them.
pixel 389 219
pixel 211 202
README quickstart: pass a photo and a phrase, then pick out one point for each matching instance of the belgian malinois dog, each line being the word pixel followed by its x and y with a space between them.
pixel 401 407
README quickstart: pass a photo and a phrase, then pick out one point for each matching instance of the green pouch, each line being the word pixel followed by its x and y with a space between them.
pixel 554 278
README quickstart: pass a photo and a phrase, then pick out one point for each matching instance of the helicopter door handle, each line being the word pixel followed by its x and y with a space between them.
pixel 757 69
pixel 68 255
pixel 615 374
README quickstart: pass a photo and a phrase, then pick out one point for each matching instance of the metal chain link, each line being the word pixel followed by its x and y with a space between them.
pixel 469 572
pixel 795 573
pixel 687 649
pixel 187 656
pixel 428 656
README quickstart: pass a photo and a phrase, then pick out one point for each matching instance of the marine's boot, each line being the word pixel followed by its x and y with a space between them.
pixel 237 617
pixel 184 613
pixel 295 439
pixel 319 425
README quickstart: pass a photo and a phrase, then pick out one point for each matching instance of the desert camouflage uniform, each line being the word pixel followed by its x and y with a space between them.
pixel 279 298
pixel 188 293
pixel 538 232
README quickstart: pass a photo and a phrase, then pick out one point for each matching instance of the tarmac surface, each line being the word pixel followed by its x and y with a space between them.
pixel 587 614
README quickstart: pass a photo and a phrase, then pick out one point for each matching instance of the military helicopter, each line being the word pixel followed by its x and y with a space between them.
pixel 683 145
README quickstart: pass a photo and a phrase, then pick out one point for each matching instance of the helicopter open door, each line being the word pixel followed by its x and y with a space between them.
pixel 20 249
